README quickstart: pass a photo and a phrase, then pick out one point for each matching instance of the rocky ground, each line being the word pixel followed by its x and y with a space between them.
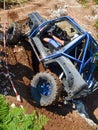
pixel 20 60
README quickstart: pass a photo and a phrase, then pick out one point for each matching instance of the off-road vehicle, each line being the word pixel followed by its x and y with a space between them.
pixel 66 68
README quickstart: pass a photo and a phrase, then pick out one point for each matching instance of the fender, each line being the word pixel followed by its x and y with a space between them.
pixel 75 81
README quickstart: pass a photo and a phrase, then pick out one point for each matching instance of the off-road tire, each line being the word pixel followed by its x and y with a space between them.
pixel 13 34
pixel 43 100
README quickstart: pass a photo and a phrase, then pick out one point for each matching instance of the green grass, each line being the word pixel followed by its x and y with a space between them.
pixel 17 119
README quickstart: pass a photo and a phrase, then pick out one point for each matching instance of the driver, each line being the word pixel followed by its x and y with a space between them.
pixel 56 36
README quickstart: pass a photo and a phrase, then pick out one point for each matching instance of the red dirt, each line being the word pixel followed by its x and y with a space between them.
pixel 62 117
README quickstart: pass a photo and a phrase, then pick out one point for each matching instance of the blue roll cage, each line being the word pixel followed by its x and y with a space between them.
pixel 64 50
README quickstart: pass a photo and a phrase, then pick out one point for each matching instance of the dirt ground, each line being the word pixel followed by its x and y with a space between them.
pixel 20 60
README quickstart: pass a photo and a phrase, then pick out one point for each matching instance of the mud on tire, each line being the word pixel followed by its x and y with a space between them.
pixel 45 88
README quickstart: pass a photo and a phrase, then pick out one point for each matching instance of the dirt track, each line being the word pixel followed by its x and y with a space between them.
pixel 61 116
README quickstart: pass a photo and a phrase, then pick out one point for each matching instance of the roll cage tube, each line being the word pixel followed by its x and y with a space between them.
pixel 83 63
pixel 65 49
pixel 34 32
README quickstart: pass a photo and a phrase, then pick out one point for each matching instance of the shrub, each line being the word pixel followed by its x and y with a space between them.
pixel 82 1
pixel 96 24
pixel 13 1
pixel 16 119
pixel 96 1
pixel 4 108
pixel 8 3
